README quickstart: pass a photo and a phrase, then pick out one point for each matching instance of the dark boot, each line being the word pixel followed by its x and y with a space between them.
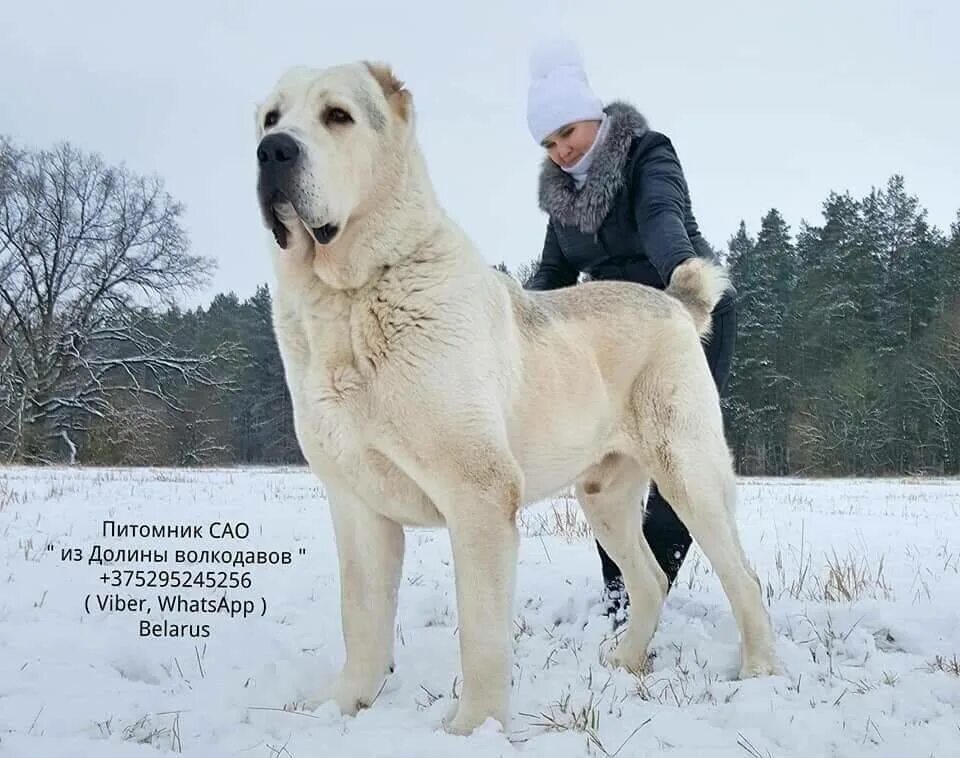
pixel 614 598
pixel 665 533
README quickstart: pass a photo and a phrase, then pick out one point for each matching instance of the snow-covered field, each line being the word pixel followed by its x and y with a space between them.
pixel 863 580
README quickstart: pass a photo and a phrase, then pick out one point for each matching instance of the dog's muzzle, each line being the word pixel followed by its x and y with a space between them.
pixel 278 155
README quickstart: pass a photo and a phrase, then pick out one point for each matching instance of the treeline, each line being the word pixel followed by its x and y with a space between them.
pixel 847 358
pixel 243 416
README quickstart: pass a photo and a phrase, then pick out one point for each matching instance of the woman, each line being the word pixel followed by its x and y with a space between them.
pixel 618 208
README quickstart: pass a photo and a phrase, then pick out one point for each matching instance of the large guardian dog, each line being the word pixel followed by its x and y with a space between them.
pixel 429 389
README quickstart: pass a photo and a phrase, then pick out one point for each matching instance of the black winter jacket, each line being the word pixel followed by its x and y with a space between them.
pixel 632 219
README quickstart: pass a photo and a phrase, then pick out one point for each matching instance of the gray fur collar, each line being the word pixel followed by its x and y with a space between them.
pixel 586 208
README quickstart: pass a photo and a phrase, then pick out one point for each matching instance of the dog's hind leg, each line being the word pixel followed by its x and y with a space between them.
pixel 370 551
pixel 694 472
pixel 611 496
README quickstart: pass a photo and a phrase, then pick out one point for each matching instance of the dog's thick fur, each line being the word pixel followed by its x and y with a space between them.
pixel 429 389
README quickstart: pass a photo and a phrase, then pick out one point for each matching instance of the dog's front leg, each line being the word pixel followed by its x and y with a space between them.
pixel 370 551
pixel 484 541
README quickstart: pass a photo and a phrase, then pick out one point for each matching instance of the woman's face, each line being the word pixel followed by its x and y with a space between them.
pixel 570 143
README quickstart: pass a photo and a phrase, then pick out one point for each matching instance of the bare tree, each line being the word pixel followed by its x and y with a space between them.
pixel 526 270
pixel 86 251
pixel 935 381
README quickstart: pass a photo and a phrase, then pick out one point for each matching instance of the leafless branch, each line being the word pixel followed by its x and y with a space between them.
pixel 87 253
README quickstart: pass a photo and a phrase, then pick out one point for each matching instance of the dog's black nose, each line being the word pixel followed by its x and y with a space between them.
pixel 277 150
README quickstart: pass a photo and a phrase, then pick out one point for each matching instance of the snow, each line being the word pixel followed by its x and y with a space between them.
pixel 867 664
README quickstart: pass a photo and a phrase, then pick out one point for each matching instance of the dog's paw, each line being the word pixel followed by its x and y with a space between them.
pixel 454 725
pixel 622 655
pixel 760 665
pixel 462 720
pixel 347 703
pixel 351 694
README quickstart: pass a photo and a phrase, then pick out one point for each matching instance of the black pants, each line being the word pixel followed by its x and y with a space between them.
pixel 667 536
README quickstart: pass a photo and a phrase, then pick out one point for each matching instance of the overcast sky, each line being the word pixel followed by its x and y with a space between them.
pixel 768 104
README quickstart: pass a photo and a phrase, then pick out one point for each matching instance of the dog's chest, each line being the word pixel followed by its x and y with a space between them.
pixel 337 425
pixel 332 411
pixel 329 391
pixel 339 353
pixel 339 364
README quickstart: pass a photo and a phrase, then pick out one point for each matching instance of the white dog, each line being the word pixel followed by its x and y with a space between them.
pixel 429 389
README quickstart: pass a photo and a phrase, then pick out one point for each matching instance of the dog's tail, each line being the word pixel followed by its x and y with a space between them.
pixel 699 284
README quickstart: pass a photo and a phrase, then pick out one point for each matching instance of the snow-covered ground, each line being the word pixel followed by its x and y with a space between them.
pixel 863 580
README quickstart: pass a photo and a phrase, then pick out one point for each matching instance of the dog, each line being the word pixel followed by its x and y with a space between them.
pixel 429 389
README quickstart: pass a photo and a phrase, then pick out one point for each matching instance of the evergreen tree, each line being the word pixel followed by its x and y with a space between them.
pixel 764 275
pixel 266 397
pixel 909 255
pixel 739 420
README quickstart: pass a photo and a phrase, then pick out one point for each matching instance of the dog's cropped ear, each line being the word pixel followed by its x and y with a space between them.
pixel 397 94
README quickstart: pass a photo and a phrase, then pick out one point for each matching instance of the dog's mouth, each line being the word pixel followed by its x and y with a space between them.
pixel 279 213
pixel 280 232
pixel 274 205
pixel 325 234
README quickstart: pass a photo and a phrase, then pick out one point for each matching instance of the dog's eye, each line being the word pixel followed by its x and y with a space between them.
pixel 271 118
pixel 337 116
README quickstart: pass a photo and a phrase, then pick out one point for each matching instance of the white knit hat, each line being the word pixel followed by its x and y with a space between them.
pixel 559 92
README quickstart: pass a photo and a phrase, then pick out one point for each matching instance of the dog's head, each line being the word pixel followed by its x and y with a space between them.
pixel 327 145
